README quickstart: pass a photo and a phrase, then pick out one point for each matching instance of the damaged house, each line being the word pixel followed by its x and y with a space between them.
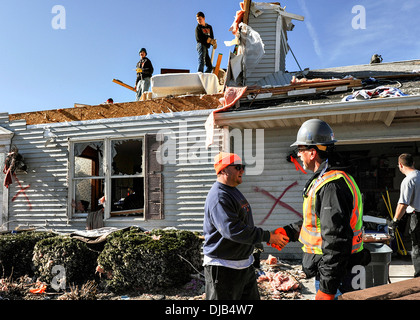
pixel 151 161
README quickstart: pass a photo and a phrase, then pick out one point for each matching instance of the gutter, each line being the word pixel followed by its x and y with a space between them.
pixel 391 105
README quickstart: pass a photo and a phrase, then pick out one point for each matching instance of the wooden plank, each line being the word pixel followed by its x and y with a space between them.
pixel 247 9
pixel 217 67
pixel 386 292
pixel 126 212
pixel 124 84
pixel 329 84
pixel 414 296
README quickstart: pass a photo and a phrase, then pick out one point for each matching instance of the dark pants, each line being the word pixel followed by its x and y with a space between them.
pixel 230 284
pixel 415 241
pixel 203 58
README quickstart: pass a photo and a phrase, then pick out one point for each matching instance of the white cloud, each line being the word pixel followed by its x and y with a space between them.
pixel 311 29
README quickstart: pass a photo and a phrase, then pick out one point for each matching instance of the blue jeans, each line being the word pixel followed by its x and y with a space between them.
pixel 142 86
pixel 203 58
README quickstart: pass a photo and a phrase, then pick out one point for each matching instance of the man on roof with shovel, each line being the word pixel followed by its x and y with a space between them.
pixel 205 38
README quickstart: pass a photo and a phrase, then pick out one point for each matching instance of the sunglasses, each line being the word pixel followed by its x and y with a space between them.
pixel 238 167
pixel 301 149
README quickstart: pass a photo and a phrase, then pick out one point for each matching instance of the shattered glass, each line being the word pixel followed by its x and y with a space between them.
pixel 127 157
pixel 88 159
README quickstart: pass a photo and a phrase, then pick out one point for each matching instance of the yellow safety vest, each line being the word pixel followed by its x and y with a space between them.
pixel 310 234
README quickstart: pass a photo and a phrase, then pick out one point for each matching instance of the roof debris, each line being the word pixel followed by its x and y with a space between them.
pixel 119 110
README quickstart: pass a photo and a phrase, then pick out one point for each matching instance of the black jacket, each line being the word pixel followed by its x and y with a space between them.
pixel 202 33
pixel 147 69
pixel 333 206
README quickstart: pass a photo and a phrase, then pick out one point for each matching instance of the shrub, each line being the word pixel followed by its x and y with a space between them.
pixel 16 252
pixel 137 260
pixel 74 255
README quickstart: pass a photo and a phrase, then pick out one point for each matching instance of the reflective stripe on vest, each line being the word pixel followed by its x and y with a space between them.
pixel 310 234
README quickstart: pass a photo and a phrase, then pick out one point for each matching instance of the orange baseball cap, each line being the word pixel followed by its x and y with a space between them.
pixel 223 159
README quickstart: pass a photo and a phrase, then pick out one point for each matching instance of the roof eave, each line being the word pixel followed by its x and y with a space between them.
pixel 383 110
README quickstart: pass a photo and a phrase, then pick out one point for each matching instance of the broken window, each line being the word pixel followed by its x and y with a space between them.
pixel 88 159
pixel 124 171
pixel 88 177
pixel 127 183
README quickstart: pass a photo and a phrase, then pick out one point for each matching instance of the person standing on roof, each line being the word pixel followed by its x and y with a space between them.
pixel 205 38
pixel 144 73
pixel 409 202
pixel 230 235
pixel 331 230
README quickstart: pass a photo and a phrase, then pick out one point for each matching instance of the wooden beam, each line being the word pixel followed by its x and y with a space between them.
pixel 247 8
pixel 385 292
pixel 124 85
pixel 217 67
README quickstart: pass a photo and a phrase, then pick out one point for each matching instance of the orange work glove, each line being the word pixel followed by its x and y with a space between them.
pixel 324 296
pixel 278 239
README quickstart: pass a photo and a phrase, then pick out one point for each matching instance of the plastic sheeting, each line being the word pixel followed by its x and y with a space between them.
pixel 231 96
pixel 249 54
pixel 253 48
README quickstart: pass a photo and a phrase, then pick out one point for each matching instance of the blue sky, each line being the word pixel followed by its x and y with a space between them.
pixel 45 68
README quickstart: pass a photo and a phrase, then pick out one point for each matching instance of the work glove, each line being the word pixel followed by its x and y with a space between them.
pixel 278 239
pixel 392 226
pixel 213 42
pixel 139 70
pixel 324 296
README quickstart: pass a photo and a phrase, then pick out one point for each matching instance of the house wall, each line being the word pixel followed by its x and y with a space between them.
pixel 277 176
pixel 272 32
pixel 4 149
pixel 45 198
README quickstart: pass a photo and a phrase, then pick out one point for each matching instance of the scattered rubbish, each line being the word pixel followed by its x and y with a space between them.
pixel 40 288
pixel 271 260
pixel 278 280
pixel 379 92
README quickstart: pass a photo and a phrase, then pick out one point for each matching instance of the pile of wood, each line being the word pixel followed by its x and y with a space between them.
pixel 402 290
pixel 304 87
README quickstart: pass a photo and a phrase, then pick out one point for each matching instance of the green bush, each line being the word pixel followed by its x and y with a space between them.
pixel 74 255
pixel 136 260
pixel 16 252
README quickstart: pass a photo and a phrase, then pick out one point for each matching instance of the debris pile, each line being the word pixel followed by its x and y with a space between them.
pixel 14 290
pixel 88 291
pixel 278 280
pixel 379 92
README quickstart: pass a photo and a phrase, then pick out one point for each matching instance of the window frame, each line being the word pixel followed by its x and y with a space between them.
pixel 107 176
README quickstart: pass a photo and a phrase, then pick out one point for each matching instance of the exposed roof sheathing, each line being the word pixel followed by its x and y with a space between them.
pixel 118 110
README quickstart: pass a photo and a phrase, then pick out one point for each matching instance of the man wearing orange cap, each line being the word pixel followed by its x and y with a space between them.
pixel 230 235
